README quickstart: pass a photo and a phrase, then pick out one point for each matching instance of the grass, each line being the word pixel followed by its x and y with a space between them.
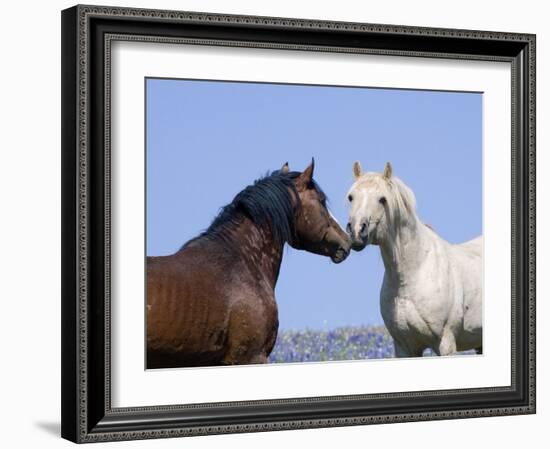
pixel 343 343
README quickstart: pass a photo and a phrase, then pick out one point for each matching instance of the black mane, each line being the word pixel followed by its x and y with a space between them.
pixel 270 201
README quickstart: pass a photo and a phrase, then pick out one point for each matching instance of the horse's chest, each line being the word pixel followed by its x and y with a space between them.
pixel 394 312
pixel 402 316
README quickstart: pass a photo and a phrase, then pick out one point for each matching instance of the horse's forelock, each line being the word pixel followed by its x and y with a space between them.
pixel 401 199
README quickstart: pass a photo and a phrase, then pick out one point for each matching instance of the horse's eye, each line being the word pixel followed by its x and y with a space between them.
pixel 350 198
pixel 382 200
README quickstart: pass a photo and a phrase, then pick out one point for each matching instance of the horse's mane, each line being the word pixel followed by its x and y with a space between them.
pixel 406 201
pixel 269 201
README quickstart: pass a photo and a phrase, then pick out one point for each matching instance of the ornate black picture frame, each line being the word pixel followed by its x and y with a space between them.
pixel 87 33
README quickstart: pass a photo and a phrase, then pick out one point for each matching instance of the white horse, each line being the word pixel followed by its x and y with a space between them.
pixel 431 294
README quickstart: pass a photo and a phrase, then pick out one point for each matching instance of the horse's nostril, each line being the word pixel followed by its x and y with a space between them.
pixel 363 226
pixel 348 228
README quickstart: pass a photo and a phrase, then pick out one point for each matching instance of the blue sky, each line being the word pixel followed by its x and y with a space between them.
pixel 207 140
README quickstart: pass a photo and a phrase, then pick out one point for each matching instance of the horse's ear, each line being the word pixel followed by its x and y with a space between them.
pixel 388 171
pixel 284 168
pixel 305 178
pixel 357 170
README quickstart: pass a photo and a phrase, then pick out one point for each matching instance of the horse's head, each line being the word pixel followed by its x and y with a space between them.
pixel 316 230
pixel 377 201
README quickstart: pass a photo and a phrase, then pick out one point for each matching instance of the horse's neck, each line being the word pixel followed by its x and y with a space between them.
pixel 259 250
pixel 404 250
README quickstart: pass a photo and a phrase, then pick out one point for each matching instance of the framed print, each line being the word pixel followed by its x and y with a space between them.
pixel 277 223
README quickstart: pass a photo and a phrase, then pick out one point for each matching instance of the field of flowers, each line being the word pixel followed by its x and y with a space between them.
pixel 343 343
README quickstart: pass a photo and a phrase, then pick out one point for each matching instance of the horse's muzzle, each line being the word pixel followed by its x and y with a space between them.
pixel 358 245
pixel 360 240
pixel 340 255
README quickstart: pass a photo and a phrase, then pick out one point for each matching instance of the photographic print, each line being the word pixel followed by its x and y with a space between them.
pixel 335 219
pixel 311 223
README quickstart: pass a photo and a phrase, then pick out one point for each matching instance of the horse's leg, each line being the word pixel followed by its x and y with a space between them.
pixel 447 344
pixel 260 358
pixel 244 349
pixel 400 350
pixel 407 349
pixel 245 359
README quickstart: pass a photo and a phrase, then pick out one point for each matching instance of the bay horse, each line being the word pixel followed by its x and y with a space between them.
pixel 431 295
pixel 213 301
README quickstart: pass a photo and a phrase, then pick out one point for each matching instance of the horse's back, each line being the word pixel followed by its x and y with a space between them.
pixel 474 246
